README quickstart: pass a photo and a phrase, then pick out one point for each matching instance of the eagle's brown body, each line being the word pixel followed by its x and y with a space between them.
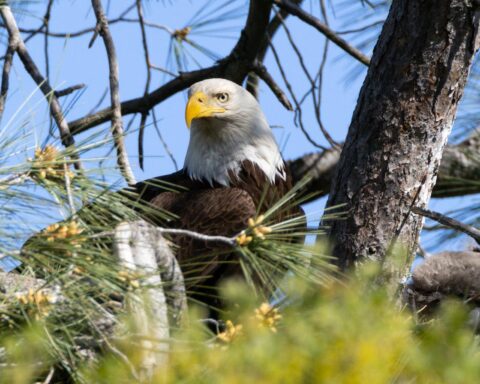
pixel 213 210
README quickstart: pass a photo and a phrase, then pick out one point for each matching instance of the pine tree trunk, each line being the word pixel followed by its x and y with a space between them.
pixel 401 124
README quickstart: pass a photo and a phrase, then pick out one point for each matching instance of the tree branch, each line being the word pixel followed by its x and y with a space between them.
pixel 143 119
pixel 449 222
pixel 234 67
pixel 32 69
pixel 263 73
pixel 272 28
pixel 7 65
pixel 320 167
pixel 135 246
pixel 69 90
pixel 295 10
pixel 117 123
pixel 145 103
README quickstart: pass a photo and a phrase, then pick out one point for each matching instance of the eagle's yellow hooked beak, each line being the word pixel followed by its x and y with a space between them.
pixel 199 106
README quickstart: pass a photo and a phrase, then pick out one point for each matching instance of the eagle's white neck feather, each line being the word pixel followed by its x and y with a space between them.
pixel 218 147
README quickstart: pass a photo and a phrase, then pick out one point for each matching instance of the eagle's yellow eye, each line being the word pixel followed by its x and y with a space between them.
pixel 222 97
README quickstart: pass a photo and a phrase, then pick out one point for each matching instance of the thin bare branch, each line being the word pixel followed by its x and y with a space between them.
pixel 7 65
pixel 67 35
pixel 361 29
pixel 32 69
pixel 252 80
pixel 162 140
pixel 69 90
pixel 263 73
pixel 117 123
pixel 316 102
pixel 143 119
pixel 449 222
pixel 46 26
pixel 141 135
pixel 295 10
pixel 194 235
pixel 298 110
pixel 198 236
pixel 163 70
pixel 99 102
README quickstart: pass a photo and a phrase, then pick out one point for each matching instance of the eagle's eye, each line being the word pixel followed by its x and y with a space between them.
pixel 222 97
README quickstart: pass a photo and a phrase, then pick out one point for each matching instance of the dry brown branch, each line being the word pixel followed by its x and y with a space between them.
pixel 116 118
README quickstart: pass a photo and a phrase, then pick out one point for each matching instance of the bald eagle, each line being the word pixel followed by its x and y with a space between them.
pixel 233 171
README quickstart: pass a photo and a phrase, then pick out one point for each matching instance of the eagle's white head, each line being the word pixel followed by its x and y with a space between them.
pixel 227 127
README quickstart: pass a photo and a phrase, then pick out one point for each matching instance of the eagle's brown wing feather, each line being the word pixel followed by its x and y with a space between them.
pixel 213 210
pixel 219 211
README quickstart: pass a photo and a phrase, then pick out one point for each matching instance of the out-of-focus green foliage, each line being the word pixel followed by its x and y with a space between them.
pixel 342 333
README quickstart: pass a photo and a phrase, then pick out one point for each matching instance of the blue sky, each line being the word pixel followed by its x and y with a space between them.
pixel 72 63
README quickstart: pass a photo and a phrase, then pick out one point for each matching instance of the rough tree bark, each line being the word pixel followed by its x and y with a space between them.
pixel 401 124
